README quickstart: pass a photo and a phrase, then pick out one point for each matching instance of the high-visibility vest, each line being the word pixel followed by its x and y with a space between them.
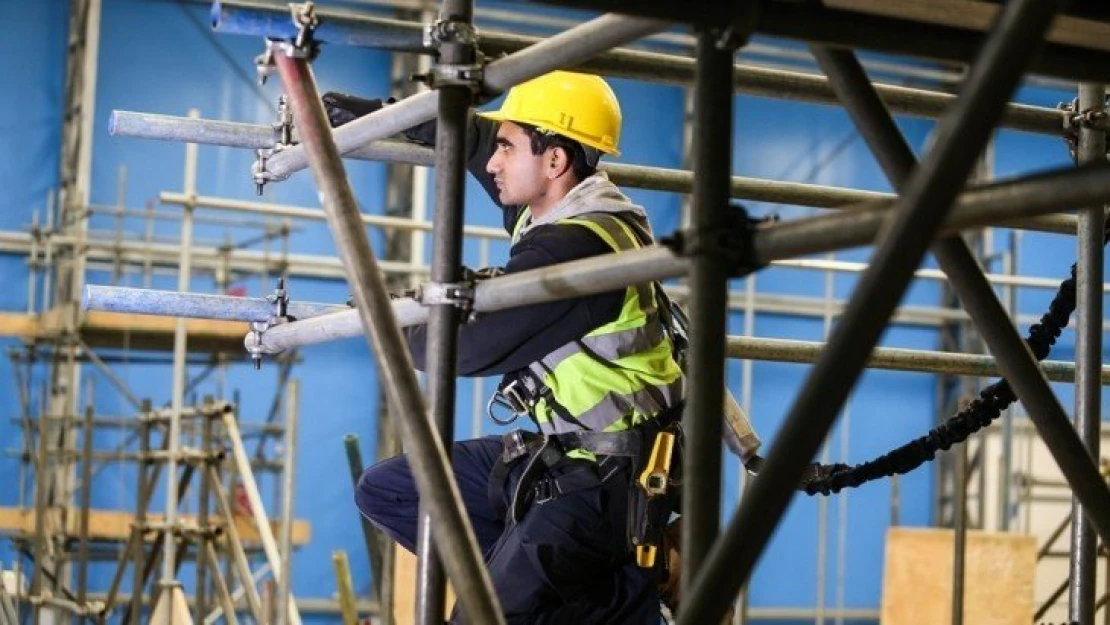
pixel 619 374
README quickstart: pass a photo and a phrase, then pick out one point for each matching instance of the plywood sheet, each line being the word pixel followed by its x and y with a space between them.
pixel 115 525
pixel 404 588
pixel 917 580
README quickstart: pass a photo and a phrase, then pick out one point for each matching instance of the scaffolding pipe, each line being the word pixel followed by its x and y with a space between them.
pixel 288 488
pixel 455 537
pixel 708 277
pixel 979 299
pixel 561 50
pixel 922 208
pixel 338 28
pixel 257 508
pixel 897 359
pixel 1029 196
pixel 272 21
pixel 441 345
pixel 181 303
pixel 1083 563
pixel 636 176
pixel 177 397
pixel 234 544
pixel 373 552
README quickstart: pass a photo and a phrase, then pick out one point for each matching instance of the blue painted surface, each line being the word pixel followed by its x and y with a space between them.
pixel 160 57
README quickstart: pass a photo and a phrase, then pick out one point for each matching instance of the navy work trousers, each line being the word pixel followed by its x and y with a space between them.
pixel 564 562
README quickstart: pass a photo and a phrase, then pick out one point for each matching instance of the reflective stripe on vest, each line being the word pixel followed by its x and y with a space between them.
pixel 619 374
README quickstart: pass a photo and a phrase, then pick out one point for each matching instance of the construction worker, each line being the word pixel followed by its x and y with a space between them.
pixel 553 511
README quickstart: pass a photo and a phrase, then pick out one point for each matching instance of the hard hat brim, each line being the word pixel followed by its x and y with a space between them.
pixel 498 116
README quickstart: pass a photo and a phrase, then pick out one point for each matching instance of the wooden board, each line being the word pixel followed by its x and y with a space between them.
pixel 917 580
pixel 17 325
pixel 977 15
pixel 107 329
pixel 404 588
pixel 114 525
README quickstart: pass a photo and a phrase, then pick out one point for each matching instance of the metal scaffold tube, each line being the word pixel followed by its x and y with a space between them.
pixel 256 19
pixel 919 216
pixel 1039 194
pixel 1088 359
pixel 455 538
pixel 566 48
pixel 708 280
pixel 978 297
pixel 444 318
pixel 637 176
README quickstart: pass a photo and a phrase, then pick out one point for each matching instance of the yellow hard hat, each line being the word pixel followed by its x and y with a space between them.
pixel 581 107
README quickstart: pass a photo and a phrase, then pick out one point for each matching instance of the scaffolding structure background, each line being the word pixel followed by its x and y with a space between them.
pixel 62 251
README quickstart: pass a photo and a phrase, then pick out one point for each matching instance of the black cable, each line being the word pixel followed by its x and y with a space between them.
pixel 987 407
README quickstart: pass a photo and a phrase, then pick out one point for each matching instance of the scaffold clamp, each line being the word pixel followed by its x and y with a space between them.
pixel 443 33
pixel 457 294
pixel 730 241
pixel 253 342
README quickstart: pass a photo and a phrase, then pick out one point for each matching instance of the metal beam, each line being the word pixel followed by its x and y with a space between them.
pixel 708 281
pixel 921 212
pixel 457 543
pixel 1088 358
pixel 561 50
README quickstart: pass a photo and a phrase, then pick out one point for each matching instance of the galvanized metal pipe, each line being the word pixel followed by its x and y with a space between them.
pixel 456 540
pixel 708 280
pixel 337 28
pixel 561 50
pixel 897 359
pixel 341 28
pixel 957 260
pixel 921 212
pixel 235 546
pixel 181 303
pixel 596 275
pixel 441 346
pixel 257 508
pixel 355 466
pixel 288 490
pixel 636 176
pixel 1083 563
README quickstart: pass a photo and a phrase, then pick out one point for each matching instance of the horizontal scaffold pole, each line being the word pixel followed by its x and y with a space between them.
pixel 318 323
pixel 1085 185
pixel 345 28
pixel 637 176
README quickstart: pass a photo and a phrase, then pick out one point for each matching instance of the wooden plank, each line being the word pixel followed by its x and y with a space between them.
pixel 116 525
pixel 978 15
pixel 917 580
pixel 18 326
pixel 404 588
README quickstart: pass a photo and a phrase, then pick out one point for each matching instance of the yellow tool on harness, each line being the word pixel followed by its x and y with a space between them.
pixel 653 481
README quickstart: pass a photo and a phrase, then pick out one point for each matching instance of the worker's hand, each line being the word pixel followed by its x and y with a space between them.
pixel 485 273
pixel 343 108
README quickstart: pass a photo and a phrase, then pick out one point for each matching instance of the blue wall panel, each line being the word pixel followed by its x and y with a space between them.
pixel 160 57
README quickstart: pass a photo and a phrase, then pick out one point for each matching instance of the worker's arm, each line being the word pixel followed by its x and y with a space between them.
pixel 509 340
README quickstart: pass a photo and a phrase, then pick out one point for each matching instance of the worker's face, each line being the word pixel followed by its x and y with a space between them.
pixel 519 174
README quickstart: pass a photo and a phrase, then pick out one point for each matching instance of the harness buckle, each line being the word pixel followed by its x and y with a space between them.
pixel 513 446
pixel 544 490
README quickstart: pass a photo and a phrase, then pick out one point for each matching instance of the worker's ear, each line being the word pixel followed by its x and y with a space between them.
pixel 556 162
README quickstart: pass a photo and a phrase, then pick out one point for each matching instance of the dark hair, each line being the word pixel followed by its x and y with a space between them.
pixel 583 160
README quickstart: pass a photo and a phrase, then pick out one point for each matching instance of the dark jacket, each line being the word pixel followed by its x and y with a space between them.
pixel 509 340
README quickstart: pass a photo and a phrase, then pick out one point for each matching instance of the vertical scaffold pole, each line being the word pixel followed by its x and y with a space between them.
pixel 458 545
pixel 456 48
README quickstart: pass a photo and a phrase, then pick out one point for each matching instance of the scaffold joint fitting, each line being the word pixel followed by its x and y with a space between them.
pixel 457 294
pixel 731 241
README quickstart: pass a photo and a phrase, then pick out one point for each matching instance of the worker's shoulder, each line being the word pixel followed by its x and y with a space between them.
pixel 563 240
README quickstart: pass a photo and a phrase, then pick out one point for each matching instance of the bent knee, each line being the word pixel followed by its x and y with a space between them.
pixel 383 488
